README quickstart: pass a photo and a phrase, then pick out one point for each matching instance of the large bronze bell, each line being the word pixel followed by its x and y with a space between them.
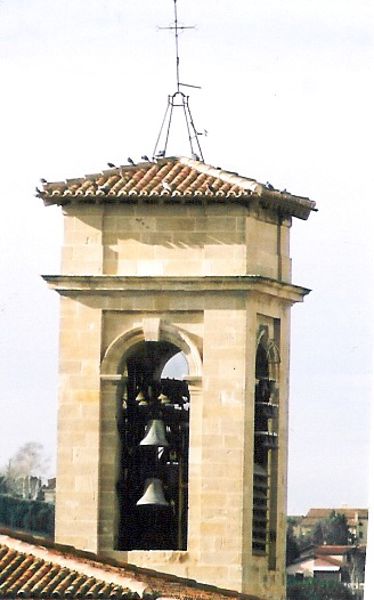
pixel 153 493
pixel 155 434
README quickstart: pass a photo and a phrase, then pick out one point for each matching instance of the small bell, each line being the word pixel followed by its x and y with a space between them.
pixel 163 399
pixel 153 493
pixel 155 434
pixel 140 399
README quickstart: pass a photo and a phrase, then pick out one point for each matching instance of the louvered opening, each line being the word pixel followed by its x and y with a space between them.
pixel 260 509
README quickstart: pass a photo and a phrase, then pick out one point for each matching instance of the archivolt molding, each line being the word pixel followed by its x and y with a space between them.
pixel 121 345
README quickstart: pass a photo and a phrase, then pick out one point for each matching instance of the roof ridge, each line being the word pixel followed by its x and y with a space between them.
pixel 227 176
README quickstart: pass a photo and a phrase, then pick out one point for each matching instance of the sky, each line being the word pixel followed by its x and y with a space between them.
pixel 287 96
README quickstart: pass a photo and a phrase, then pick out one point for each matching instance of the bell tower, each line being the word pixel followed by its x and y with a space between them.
pixel 174 356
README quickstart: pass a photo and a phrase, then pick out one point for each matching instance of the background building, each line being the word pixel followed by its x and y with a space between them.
pixel 357 521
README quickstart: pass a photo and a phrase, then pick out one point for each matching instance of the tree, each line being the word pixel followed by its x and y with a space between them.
pixel 336 529
pixel 292 548
pixel 29 462
pixel 315 589
pixel 318 533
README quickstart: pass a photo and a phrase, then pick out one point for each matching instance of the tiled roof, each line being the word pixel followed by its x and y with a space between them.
pixel 35 568
pixel 173 180
pixel 24 575
pixel 328 549
pixel 326 564
pixel 325 556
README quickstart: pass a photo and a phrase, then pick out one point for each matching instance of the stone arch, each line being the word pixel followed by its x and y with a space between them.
pixel 265 458
pixel 119 366
pixel 121 345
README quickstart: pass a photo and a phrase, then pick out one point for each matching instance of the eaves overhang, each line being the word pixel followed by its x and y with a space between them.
pixel 88 285
pixel 173 180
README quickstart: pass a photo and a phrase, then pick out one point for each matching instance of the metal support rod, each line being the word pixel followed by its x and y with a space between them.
pixel 196 136
pixel 162 127
pixel 169 125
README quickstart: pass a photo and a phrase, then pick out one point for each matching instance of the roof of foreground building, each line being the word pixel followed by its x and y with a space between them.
pixel 35 568
pixel 172 180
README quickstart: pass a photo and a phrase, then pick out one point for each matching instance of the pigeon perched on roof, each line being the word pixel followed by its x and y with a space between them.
pixel 129 160
pixel 166 186
pixel 269 186
pixel 145 157
pixel 111 165
pixel 104 188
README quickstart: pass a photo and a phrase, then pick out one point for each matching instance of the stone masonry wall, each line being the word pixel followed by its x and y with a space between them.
pixel 177 241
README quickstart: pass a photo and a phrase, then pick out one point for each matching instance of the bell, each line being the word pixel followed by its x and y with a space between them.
pixel 163 399
pixel 140 399
pixel 155 434
pixel 153 493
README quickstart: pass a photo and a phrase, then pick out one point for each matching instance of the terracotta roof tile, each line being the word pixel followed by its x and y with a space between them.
pixel 24 575
pixel 171 180
pixel 35 568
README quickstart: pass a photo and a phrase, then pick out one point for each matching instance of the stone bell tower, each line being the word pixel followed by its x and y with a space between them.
pixel 186 475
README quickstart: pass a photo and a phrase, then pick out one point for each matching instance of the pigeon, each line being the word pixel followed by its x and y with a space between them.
pixel 129 160
pixel 111 165
pixel 38 191
pixel 195 156
pixel 166 186
pixel 145 157
pixel 269 186
pixel 42 180
pixel 160 154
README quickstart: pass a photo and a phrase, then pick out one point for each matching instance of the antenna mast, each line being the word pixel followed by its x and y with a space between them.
pixel 178 100
pixel 176 35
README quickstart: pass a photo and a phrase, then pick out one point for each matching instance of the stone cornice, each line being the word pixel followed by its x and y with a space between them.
pixel 71 285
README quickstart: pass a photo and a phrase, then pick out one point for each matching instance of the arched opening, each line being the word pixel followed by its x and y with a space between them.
pixel 176 367
pixel 265 445
pixel 153 426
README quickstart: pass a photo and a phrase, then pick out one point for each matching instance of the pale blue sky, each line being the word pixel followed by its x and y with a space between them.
pixel 287 97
